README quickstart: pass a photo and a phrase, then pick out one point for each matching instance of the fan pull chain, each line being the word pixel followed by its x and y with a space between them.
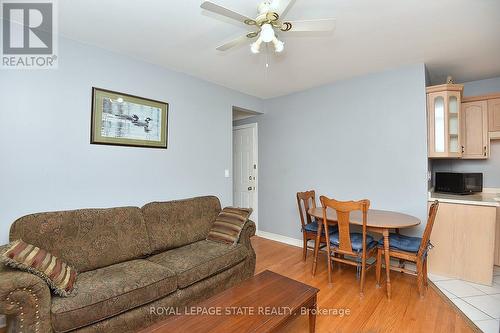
pixel 267 60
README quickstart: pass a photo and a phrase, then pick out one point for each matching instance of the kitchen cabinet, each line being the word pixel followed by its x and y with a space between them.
pixel 494 114
pixel 474 130
pixel 443 115
pixel 464 242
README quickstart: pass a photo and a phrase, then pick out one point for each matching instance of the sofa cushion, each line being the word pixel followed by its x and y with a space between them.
pixel 86 239
pixel 56 273
pixel 177 223
pixel 197 261
pixel 228 225
pixel 108 291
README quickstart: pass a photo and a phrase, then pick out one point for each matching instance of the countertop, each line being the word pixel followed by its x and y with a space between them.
pixel 491 198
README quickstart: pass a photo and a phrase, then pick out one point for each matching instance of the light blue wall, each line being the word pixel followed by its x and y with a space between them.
pixel 47 162
pixel 490 167
pixel 482 87
pixel 355 139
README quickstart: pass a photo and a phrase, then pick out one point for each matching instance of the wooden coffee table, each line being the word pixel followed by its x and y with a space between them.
pixel 264 303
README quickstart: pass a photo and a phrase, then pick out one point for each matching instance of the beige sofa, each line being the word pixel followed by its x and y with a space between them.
pixel 130 261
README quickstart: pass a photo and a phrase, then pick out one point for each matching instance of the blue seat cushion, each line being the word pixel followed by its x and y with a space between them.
pixel 403 243
pixel 313 227
pixel 356 241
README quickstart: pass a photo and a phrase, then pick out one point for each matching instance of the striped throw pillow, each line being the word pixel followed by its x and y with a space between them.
pixel 59 276
pixel 228 225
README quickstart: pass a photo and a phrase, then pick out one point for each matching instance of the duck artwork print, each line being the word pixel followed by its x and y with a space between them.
pixel 128 120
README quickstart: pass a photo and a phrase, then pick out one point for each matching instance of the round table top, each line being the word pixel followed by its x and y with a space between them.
pixel 375 219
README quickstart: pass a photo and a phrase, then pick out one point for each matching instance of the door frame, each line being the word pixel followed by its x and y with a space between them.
pixel 255 128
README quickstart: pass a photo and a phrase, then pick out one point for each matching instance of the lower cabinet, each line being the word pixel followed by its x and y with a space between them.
pixel 464 242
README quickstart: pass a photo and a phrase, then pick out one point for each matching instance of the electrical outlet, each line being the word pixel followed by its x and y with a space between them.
pixel 226 173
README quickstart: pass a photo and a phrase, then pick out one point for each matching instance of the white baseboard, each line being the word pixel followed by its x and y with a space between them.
pixel 280 238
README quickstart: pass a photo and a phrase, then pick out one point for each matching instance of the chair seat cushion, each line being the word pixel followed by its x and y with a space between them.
pixel 403 243
pixel 313 227
pixel 199 260
pixel 108 291
pixel 356 241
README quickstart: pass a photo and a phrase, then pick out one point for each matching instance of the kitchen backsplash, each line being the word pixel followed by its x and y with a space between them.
pixel 490 167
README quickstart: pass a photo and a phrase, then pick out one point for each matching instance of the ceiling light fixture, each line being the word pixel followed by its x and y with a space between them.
pixel 279 46
pixel 255 47
pixel 267 33
pixel 269 20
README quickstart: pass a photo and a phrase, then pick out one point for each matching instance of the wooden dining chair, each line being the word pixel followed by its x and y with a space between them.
pixel 305 201
pixel 413 249
pixel 361 246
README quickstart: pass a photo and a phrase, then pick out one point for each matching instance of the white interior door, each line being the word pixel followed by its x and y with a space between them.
pixel 245 168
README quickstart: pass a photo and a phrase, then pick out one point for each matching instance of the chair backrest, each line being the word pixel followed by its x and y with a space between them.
pixel 343 210
pixel 428 228
pixel 305 201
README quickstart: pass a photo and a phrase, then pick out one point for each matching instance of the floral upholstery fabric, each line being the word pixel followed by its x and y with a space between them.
pixel 86 239
pixel 197 261
pixel 76 235
pixel 108 291
pixel 177 223
pixel 141 317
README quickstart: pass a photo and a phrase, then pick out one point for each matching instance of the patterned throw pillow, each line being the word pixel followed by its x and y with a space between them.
pixel 228 225
pixel 59 276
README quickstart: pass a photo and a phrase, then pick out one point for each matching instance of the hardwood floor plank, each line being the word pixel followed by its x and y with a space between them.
pixel 405 312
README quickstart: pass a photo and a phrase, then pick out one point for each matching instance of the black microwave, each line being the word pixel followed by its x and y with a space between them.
pixel 458 182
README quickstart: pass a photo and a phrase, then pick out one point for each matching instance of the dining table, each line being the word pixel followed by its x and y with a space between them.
pixel 378 221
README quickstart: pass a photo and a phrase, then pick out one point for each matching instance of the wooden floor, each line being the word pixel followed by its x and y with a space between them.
pixel 405 312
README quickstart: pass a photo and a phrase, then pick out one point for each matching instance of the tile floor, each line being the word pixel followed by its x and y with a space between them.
pixel 478 302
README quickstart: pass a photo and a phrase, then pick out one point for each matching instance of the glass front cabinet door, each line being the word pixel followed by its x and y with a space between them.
pixel 443 116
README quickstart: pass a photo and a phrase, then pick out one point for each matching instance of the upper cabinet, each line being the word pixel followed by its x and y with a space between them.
pixel 474 130
pixel 494 114
pixel 443 115
pixel 461 127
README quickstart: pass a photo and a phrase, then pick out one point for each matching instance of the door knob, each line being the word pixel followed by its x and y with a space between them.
pixel 249 188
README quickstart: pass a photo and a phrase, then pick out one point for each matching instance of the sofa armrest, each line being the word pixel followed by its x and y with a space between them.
pixel 246 233
pixel 25 298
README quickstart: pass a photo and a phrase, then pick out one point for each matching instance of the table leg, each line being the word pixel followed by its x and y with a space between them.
pixel 385 233
pixel 312 316
pixel 316 247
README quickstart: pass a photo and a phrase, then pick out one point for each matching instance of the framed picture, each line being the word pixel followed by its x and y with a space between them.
pixel 127 120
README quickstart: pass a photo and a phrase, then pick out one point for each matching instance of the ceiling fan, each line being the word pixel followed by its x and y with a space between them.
pixel 268 22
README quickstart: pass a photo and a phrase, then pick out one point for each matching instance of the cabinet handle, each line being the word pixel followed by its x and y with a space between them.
pixel 485 151
pixel 463 149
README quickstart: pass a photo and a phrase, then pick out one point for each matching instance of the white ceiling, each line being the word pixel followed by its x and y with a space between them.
pixel 457 37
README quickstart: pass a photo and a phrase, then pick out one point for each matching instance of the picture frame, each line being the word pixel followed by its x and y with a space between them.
pixel 121 119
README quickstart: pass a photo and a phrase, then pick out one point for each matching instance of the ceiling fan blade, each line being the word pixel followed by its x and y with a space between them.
pixel 233 43
pixel 312 25
pixel 215 8
pixel 283 6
